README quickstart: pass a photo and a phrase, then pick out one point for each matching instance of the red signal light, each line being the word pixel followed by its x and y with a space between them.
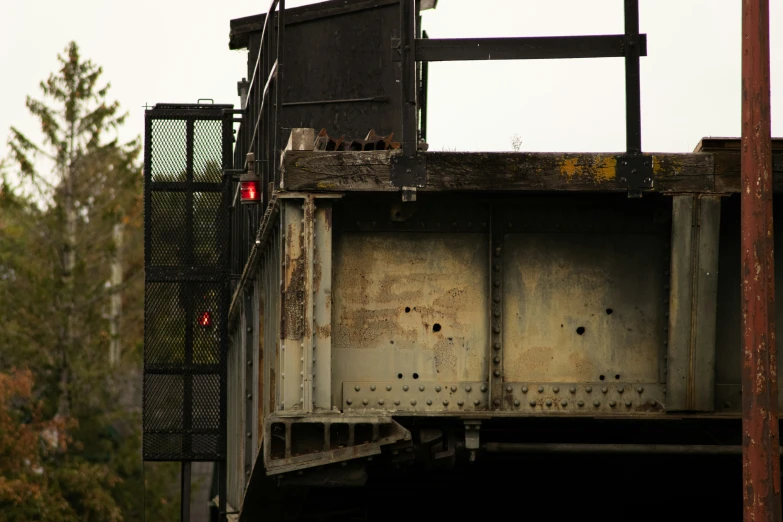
pixel 249 192
pixel 205 319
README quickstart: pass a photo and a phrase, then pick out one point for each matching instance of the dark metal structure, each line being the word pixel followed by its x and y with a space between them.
pixel 392 307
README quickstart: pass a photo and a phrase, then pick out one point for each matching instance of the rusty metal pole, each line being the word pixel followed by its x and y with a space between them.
pixel 760 438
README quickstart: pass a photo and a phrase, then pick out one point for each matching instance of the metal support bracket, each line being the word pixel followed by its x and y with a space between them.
pixel 635 172
pixel 409 170
pixel 472 442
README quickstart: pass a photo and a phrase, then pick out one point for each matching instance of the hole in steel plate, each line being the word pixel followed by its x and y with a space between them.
pixel 609 311
pixel 580 330
pixel 399 376
pixel 415 375
pixel 407 309
pixel 617 376
pixel 436 327
pixel 602 377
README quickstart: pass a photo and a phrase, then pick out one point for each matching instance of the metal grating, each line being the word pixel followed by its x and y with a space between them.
pixel 186 291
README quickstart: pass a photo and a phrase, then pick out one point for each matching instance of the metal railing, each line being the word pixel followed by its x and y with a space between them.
pixel 259 134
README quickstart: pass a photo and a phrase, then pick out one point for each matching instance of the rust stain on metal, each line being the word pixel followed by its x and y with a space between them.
pixel 760 437
pixel 293 295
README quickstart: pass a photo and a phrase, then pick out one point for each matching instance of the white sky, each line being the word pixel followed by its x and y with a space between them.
pixel 177 51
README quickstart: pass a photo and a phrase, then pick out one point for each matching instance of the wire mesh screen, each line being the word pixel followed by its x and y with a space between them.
pixel 186 297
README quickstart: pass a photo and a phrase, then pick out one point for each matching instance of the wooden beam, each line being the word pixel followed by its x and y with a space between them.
pixel 509 171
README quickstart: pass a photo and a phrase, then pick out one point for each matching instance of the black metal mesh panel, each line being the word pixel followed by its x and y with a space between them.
pixel 186 292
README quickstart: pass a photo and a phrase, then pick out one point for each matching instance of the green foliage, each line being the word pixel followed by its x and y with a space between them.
pixel 61 202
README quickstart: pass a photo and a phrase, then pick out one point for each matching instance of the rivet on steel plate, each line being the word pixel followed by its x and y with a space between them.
pixel 388 387
pixel 429 402
pixel 588 389
pixel 396 403
pixel 357 388
pixel 413 402
pixel 540 389
pixel 496 313
pixel 549 402
pixel 596 403
pixel 509 389
pixel 372 387
pixel 580 403
pixel 365 402
pixel 476 402
pixel 437 388
pixel 620 389
pixel 497 251
pixel 556 389
pixel 496 329
pixel 516 402
pixel 524 389
pixel 496 360
pixel 564 403
pixel 496 373
pixel 468 388
pixel 652 402
pixel 349 402
pixel 421 387
pixel 249 435
pixel 380 401
pixel 405 387
pixel 612 404
pixel 249 396
pixel 497 402
pixel 640 389
pixel 453 388
pixel 532 403
pixel 460 402
pixel 496 346
pixel 604 389
pixel 445 402
pixel 572 389
pixel 496 267
pixel 483 387
pixel 496 284
pixel 628 404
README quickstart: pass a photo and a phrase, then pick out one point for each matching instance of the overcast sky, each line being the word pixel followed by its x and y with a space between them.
pixel 177 51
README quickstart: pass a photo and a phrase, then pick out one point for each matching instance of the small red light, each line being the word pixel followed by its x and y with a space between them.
pixel 249 191
pixel 205 319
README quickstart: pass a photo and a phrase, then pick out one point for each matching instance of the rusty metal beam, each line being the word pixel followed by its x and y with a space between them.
pixel 760 437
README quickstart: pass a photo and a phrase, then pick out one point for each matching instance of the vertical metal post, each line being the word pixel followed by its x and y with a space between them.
pixel 184 509
pixel 760 437
pixel 408 83
pixel 633 111
pixel 277 150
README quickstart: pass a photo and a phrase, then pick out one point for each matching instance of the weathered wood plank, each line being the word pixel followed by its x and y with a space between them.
pixel 493 171
pixel 727 172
